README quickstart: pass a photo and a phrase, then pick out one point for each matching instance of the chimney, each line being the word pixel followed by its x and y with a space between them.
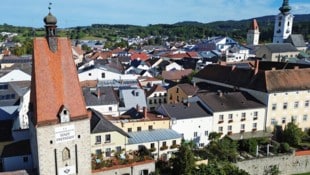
pixel 273 68
pixel 296 67
pixel 144 112
pixel 138 108
pixel 188 104
pixel 220 93
pixel 256 66
pixel 98 92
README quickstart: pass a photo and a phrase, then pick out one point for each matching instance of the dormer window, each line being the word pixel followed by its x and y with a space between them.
pixel 64 115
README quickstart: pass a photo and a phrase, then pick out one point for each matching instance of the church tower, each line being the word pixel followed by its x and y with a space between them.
pixel 59 126
pixel 253 34
pixel 283 23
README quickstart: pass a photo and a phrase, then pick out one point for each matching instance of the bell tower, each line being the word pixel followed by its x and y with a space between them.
pixel 253 34
pixel 283 23
pixel 60 125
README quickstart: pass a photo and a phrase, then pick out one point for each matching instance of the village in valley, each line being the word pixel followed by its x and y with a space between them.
pixel 217 106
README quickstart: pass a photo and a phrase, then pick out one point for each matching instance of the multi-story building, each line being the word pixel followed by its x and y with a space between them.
pixel 136 121
pixel 156 96
pixel 102 99
pixel 234 112
pixel 283 87
pixel 181 92
pixel 253 34
pixel 190 119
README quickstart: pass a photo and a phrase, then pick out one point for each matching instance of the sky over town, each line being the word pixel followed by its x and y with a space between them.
pixel 71 13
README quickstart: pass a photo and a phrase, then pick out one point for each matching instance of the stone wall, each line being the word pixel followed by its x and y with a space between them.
pixel 287 164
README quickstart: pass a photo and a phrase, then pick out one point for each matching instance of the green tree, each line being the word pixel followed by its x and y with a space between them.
pixel 272 170
pixel 184 162
pixel 292 134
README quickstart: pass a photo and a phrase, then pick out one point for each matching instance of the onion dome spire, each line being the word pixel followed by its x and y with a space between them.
pixel 50 29
pixel 285 8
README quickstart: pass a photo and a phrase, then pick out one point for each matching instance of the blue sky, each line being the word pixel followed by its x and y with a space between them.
pixel 72 13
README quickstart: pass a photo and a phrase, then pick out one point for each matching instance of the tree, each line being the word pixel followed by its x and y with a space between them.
pixel 272 170
pixel 292 134
pixel 223 150
pixel 184 162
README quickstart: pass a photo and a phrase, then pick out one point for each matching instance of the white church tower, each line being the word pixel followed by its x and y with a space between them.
pixel 253 34
pixel 283 23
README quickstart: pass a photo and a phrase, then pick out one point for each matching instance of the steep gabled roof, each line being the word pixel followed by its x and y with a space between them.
pixel 100 96
pixel 296 40
pixel 155 88
pixel 188 89
pixel 55 83
pixel 99 124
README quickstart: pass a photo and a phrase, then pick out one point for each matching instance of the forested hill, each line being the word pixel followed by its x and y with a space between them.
pixel 178 31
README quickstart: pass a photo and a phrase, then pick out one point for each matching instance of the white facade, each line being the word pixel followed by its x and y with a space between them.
pixel 195 129
pixel 282 27
pixel 233 122
pixel 156 98
pixel 111 109
pixel 102 74
pixel 22 121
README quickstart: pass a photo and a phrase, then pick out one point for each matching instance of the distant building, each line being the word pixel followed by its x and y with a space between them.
pixel 283 23
pixel 253 34
pixel 278 52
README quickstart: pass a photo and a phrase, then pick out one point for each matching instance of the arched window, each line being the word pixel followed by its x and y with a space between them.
pixel 65 154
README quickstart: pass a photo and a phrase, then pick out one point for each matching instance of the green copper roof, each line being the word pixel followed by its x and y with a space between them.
pixel 285 7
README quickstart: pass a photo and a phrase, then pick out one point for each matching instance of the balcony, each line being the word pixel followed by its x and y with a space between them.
pixel 229 133
pixel 174 146
pixel 255 118
pixel 230 121
pixel 242 131
pixel 152 149
pixel 164 147
pixel 221 121
pixel 254 129
pixel 243 119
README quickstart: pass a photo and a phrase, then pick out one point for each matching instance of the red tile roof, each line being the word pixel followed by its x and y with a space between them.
pixel 55 83
pixel 254 25
pixel 139 56
pixel 176 74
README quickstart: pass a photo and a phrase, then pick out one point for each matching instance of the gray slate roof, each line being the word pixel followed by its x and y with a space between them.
pixel 281 47
pixel 219 102
pixel 106 96
pixel 98 124
pixel 152 136
pixel 184 111
pixel 296 39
